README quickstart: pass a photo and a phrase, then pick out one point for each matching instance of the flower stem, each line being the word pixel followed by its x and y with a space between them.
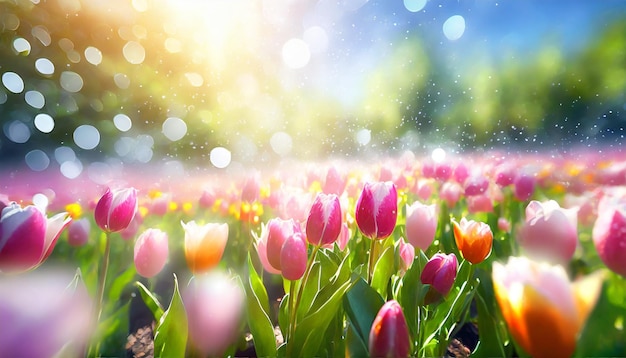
pixel 293 321
pixel 372 261
pixel 103 276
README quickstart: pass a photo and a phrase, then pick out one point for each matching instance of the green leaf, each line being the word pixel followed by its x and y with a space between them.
pixel 361 304
pixel 257 307
pixel 383 270
pixel 354 344
pixel 151 301
pixel 491 342
pixel 121 282
pixel 170 338
pixel 312 287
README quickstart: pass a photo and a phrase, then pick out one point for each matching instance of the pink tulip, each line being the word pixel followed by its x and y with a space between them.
pixel 479 204
pixel 440 272
pixel 476 185
pixel 344 236
pixel 377 210
pixel 27 237
pixel 116 209
pixel 421 224
pixel 293 257
pixel 461 173
pixel 504 224
pixel 450 193
pixel 39 308
pixel 609 236
pixel 279 230
pixel 261 248
pixel 524 187
pixel 334 183
pixel 324 223
pixel 505 175
pixel 251 189
pixel 549 231
pixel 424 188
pixel 214 304
pixel 406 251
pixel 443 171
pixel 389 335
pixel 78 232
pixel 151 251
pixel 428 169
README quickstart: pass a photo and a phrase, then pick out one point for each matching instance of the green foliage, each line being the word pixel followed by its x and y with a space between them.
pixel 257 308
pixel 170 336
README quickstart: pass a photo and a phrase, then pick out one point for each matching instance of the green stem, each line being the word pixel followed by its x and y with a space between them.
pixel 370 266
pixel 293 319
pixel 103 275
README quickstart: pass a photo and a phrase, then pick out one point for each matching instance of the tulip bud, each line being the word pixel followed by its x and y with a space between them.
pixel 440 273
pixel 473 239
pixel 609 236
pixel 389 335
pixel 116 209
pixel 544 311
pixel 549 232
pixel 151 251
pixel 476 185
pixel 204 245
pixel 27 237
pixel 293 257
pixel 421 224
pixel 377 210
pixel 279 231
pixel 78 232
pixel 524 187
pixel 324 223
pixel 406 251
pixel 214 304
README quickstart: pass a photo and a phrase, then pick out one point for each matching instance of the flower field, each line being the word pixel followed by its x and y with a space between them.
pixel 394 257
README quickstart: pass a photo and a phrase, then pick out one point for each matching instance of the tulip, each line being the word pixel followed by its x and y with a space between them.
pixel 406 251
pixel 278 232
pixel 116 209
pixel 27 237
pixel 204 245
pixel 334 183
pixel 78 232
pixel 251 189
pixel 389 335
pixel 450 193
pixel 505 175
pixel 549 232
pixel 440 273
pixel 261 248
pixel 544 311
pixel 293 257
pixel 421 224
pixel 443 171
pixel 524 187
pixel 151 251
pixel 377 210
pixel 476 185
pixel 479 204
pixel 461 173
pixel 424 188
pixel 473 239
pixel 324 223
pixel 39 308
pixel 609 237
pixel 214 305
pixel 344 236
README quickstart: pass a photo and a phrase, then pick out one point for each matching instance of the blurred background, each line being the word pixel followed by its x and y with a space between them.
pixel 88 85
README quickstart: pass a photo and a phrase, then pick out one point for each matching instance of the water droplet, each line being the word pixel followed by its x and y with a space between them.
pixel 44 123
pixel 454 27
pixel 122 122
pixel 93 55
pixel 134 53
pixel 21 46
pixel 121 80
pixel 13 82
pixel 40 33
pixel 44 66
pixel 414 5
pixel 35 99
pixel 71 81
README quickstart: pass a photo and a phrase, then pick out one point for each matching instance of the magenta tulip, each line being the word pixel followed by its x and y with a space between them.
pixel 421 224
pixel 609 237
pixel 550 232
pixel 27 237
pixel 78 232
pixel 151 251
pixel 279 231
pixel 524 187
pixel 324 223
pixel 293 257
pixel 116 209
pixel 461 173
pixel 389 335
pixel 377 210
pixel 476 185
pixel 440 272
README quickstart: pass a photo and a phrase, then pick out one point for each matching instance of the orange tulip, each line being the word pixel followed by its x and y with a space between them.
pixel 204 245
pixel 543 310
pixel 474 240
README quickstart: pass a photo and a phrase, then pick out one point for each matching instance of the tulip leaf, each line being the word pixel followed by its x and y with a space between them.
pixel 257 306
pixel 120 283
pixel 384 268
pixel 361 304
pixel 310 290
pixel 151 301
pixel 170 337
pixel 491 343
pixel 355 347
pixel 309 335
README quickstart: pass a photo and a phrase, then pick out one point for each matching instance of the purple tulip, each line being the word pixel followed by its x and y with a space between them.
pixel 440 272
